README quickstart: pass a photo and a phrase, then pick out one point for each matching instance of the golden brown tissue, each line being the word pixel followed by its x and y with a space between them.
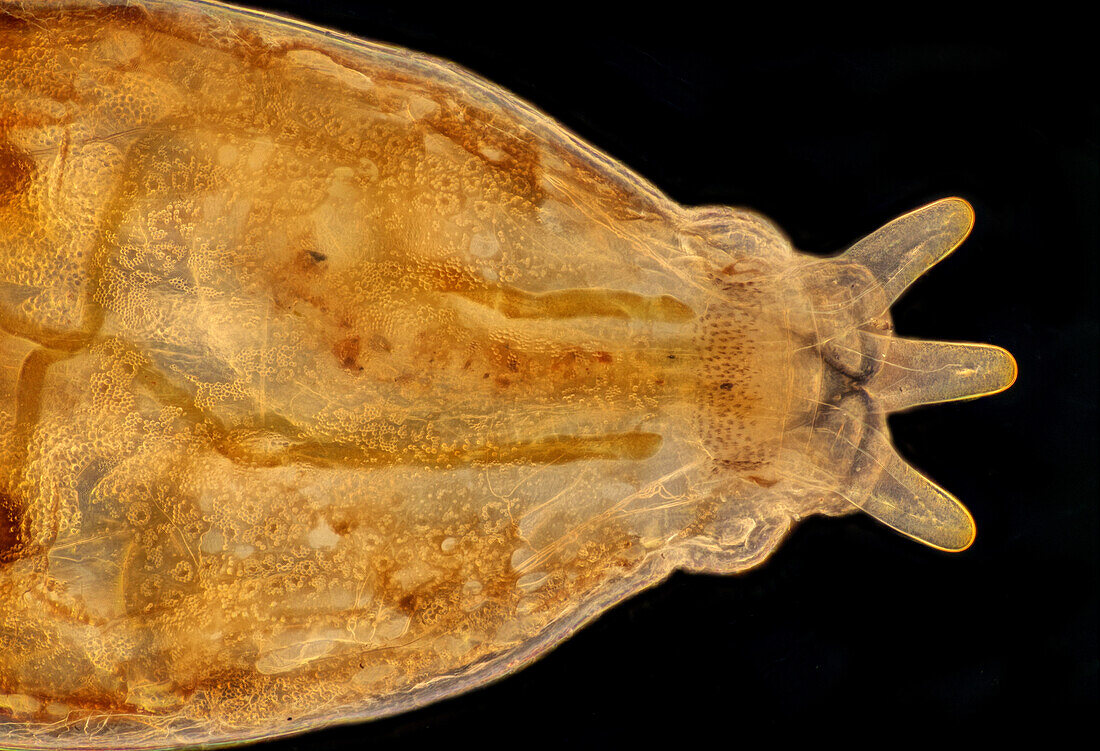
pixel 335 380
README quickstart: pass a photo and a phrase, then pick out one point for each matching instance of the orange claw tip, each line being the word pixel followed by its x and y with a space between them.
pixel 1009 369
pixel 962 208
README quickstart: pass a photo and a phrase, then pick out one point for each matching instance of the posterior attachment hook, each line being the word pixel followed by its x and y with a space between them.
pixel 911 372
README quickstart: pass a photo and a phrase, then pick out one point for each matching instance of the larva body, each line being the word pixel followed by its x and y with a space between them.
pixel 334 380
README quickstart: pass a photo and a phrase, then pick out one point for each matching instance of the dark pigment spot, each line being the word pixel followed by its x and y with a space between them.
pixel 11 529
pixel 15 174
pixel 347 352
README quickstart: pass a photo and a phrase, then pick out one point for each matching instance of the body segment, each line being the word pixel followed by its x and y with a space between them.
pixel 334 380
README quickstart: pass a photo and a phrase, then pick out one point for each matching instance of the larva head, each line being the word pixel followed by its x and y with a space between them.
pixel 864 372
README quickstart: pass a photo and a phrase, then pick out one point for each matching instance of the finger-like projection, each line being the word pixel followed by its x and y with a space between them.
pixel 334 380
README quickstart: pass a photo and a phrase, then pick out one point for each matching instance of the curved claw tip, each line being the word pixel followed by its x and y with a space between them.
pixel 1006 367
pixel 962 208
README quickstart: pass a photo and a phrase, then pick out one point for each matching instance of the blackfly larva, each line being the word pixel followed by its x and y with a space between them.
pixel 335 380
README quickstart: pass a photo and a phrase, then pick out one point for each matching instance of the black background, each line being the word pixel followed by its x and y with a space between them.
pixel 849 628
